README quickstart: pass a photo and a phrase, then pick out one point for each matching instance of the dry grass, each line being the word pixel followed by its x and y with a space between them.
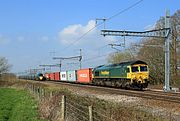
pixel 104 110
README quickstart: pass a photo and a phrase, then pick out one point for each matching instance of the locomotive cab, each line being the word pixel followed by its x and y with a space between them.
pixel 40 77
pixel 138 74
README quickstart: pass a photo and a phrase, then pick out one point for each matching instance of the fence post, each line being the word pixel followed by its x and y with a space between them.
pixel 33 89
pixel 51 94
pixel 63 108
pixel 36 90
pixel 90 114
pixel 42 94
pixel 39 92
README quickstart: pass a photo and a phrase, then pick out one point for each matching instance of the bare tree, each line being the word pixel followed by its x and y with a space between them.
pixel 4 66
pixel 120 57
pixel 175 58
pixel 153 52
pixel 154 55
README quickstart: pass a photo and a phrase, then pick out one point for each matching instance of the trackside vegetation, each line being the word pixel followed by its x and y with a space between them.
pixel 17 105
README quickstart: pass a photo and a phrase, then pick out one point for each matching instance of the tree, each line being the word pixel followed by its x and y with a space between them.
pixel 153 52
pixel 120 57
pixel 4 66
pixel 175 46
pixel 154 55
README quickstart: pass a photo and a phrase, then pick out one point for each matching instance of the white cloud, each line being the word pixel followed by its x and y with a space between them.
pixel 93 44
pixel 149 27
pixel 73 32
pixel 4 40
pixel 20 39
pixel 44 38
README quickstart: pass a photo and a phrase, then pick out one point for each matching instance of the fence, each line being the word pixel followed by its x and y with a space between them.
pixel 58 107
pixel 69 110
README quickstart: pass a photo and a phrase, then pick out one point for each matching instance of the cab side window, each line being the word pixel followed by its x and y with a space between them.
pixel 96 73
pixel 128 70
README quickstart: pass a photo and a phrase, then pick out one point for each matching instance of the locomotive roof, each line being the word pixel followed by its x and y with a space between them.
pixel 129 63
pixel 123 64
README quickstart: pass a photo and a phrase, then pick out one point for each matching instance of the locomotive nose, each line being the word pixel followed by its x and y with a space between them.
pixel 142 78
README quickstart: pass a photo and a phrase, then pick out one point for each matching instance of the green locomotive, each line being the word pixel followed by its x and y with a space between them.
pixel 131 74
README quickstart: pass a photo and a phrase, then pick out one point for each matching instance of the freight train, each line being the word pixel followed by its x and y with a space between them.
pixel 129 75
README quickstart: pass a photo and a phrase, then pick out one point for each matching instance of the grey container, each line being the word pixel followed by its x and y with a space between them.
pixel 72 76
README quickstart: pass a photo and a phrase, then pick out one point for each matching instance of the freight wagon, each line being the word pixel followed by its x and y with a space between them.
pixel 84 75
pixel 72 76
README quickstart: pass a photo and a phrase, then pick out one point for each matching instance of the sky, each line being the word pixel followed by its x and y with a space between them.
pixel 32 32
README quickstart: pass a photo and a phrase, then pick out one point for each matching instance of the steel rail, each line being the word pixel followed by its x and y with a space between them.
pixel 154 95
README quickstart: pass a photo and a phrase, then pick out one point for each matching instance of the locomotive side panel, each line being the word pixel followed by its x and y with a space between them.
pixel 118 72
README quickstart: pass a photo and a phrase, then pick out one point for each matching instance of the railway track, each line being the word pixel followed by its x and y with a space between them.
pixel 148 94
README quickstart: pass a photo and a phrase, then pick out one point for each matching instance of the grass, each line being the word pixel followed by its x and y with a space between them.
pixel 17 105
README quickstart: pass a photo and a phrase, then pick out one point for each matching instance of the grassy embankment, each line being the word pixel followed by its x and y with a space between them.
pixel 17 105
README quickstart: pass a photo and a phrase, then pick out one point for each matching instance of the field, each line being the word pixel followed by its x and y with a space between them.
pixel 17 105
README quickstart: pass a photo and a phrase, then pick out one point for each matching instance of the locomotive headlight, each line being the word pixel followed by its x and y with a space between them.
pixel 40 77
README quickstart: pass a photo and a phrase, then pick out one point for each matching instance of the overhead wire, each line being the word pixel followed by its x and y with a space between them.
pixel 98 24
pixel 111 17
pixel 95 57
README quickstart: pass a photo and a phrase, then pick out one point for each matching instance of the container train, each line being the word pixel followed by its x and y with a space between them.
pixel 130 75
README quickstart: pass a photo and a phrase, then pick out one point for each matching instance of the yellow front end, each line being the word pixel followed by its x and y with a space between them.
pixel 140 77
pixel 138 74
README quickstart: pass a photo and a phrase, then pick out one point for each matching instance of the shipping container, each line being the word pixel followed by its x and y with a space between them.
pixel 57 76
pixel 63 76
pixel 47 76
pixel 84 75
pixel 72 76
pixel 51 76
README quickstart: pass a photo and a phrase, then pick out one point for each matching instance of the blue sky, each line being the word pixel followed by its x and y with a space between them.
pixel 30 30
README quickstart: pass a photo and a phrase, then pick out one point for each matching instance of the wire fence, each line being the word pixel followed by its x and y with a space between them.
pixel 58 106
pixel 65 108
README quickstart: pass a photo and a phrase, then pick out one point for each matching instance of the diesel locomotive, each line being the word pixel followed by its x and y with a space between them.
pixel 132 74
